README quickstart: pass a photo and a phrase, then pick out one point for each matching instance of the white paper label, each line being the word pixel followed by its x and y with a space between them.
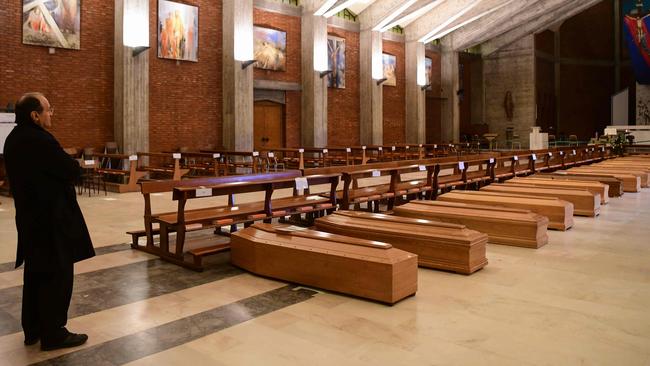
pixel 363 147
pixel 203 192
pixel 216 156
pixel 574 152
pixel 420 145
pixel 376 173
pixel 461 165
pixel 89 162
pixel 602 149
pixel 301 150
pixel 407 147
pixel 271 155
pixel 256 153
pixel 392 148
pixel 550 153
pixel 347 149
pixel 422 168
pixel 301 183
pixel 467 144
pixel 435 146
pixel 515 158
pixel 451 145
pixel 561 152
pixel 176 155
pixel 491 160
pixel 133 158
pixel 324 151
pixel 592 149
pixel 381 148
pixel 534 157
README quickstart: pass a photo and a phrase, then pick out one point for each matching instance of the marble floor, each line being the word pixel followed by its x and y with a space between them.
pixel 583 299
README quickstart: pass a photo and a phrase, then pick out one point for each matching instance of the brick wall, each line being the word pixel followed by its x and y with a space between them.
pixel 291 25
pixel 343 104
pixel 78 83
pixel 185 98
pixel 395 98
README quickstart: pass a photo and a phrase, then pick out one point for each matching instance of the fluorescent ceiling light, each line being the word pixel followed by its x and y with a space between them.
pixel 325 7
pixel 412 16
pixel 449 21
pixel 393 15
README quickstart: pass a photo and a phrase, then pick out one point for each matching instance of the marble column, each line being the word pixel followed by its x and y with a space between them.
pixel 415 96
pixel 237 81
pixel 450 119
pixel 314 87
pixel 371 94
pixel 130 85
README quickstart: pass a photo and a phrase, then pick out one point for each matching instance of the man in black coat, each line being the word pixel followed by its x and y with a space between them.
pixel 52 233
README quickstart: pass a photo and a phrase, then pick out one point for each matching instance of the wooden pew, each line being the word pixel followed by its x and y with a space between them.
pixel 615 186
pixel 202 164
pixel 584 202
pixel 249 160
pixel 129 175
pixel 231 214
pixel 539 181
pixel 167 165
pixel 359 267
pixel 448 247
pixel 521 228
pixel 559 212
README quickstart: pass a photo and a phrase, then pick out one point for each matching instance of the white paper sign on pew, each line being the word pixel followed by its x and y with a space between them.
pixel 256 153
pixel 392 148
pixel 491 160
pixel 381 148
pixel 133 158
pixel 435 146
pixel 203 192
pixel 363 147
pixel 461 165
pixel 574 152
pixel 89 162
pixel 271 155
pixel 301 183
pixel 176 155
pixel 534 157
pixel 376 173
pixel 216 155
pixel 325 151
pixel 515 158
pixel 422 168
pixel 348 150
pixel 301 150
pixel 550 153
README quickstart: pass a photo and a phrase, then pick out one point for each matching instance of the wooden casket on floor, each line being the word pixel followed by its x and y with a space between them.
pixel 359 267
pixel 630 182
pixel 643 175
pixel 537 181
pixel 439 245
pixel 506 226
pixel 559 212
pixel 614 185
pixel 584 202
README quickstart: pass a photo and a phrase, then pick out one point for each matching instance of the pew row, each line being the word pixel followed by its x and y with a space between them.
pixel 449 247
pixel 584 202
pixel 520 228
pixel 358 267
pixel 559 212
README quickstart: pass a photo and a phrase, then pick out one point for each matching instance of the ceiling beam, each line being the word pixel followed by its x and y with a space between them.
pixel 412 13
pixel 535 26
pixel 502 21
pixel 382 11
pixel 436 19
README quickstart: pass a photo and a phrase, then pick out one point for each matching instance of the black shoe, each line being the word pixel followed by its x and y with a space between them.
pixel 30 341
pixel 71 340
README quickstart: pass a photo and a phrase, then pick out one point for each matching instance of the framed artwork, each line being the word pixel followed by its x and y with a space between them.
pixel 390 69
pixel 428 71
pixel 178 31
pixel 270 48
pixel 336 62
pixel 52 23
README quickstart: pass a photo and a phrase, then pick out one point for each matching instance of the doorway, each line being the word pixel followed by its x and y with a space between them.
pixel 268 128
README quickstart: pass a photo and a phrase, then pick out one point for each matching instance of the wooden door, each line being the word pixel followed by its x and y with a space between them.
pixel 269 125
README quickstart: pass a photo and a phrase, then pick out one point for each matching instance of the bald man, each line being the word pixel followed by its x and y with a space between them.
pixel 52 233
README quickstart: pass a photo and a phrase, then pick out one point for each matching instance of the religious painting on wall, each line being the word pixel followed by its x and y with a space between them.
pixel 52 23
pixel 390 69
pixel 178 31
pixel 336 63
pixel 270 48
pixel 428 71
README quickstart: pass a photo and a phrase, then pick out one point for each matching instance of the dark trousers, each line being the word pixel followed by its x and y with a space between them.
pixel 46 298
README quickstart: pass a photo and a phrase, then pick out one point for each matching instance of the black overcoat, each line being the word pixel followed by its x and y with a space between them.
pixel 52 233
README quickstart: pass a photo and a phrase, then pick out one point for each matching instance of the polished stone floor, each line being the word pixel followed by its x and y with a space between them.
pixel 581 300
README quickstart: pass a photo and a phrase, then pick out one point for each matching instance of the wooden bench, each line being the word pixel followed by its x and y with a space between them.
pixel 236 161
pixel 231 214
pixel 124 179
pixel 161 165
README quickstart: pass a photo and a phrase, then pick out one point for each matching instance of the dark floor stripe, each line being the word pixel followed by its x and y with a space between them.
pixel 116 286
pixel 6 267
pixel 136 346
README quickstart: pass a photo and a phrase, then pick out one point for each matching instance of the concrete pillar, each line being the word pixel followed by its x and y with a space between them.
pixel 237 82
pixel 450 83
pixel 314 87
pixel 371 94
pixel 415 96
pixel 130 86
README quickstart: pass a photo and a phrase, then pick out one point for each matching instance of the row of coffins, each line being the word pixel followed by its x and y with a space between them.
pixel 375 255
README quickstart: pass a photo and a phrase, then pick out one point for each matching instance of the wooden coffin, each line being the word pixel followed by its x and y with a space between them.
pixel 449 247
pixel 643 175
pixel 584 202
pixel 615 186
pixel 520 228
pixel 631 183
pixel 559 212
pixel 359 267
pixel 593 187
